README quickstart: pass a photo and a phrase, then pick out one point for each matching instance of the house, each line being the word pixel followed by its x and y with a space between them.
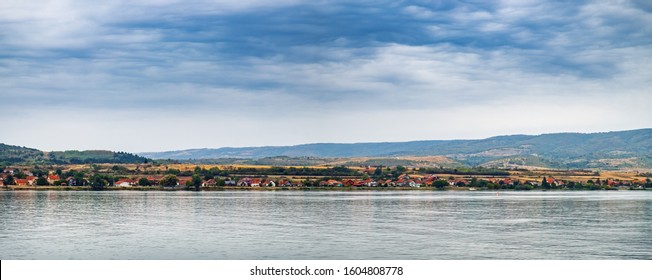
pixel 53 178
pixel 370 183
pixel 209 183
pixel 124 183
pixel 183 181
pixel 22 182
pixel 458 182
pixel 244 182
pixel 230 182
pixel 359 184
pixel 430 180
pixel 331 183
pixel 284 183
pixel 269 183
pixel 31 180
pixel 255 182
pixel 404 177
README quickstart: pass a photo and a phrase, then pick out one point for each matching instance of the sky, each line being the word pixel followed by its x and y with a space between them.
pixel 143 76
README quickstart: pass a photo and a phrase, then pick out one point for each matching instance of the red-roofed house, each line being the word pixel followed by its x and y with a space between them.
pixel 209 183
pixel 52 178
pixel 125 183
pixel 255 182
pixel 22 182
pixel 31 180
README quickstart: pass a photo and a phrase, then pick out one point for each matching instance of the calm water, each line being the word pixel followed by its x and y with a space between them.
pixel 325 225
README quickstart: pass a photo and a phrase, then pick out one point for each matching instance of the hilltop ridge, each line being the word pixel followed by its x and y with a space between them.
pixel 619 149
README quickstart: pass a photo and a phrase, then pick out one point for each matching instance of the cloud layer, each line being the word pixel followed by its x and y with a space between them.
pixel 234 73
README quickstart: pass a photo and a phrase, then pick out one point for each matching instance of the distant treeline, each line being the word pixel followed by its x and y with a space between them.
pixel 285 171
pixel 82 157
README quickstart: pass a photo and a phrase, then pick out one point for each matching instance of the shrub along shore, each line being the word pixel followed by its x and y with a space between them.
pixel 150 177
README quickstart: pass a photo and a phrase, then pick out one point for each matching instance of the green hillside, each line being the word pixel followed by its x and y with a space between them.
pixel 15 155
pixel 10 155
pixel 620 149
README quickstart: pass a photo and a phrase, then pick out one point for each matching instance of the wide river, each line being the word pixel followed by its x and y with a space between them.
pixel 325 225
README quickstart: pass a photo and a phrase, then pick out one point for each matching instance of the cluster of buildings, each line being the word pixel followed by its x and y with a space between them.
pixel 28 180
pixel 404 180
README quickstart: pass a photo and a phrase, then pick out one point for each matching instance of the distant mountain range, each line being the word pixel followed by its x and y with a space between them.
pixel 608 150
pixel 621 149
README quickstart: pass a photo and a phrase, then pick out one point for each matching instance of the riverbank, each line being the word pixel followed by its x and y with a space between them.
pixel 224 188
pixel 236 188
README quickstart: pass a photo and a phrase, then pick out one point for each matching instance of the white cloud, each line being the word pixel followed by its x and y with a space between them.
pixel 147 69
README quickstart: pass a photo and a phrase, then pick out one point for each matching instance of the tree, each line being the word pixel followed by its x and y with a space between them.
pixel 195 181
pixel 98 182
pixel 78 179
pixel 41 181
pixel 58 183
pixel 21 175
pixel 440 184
pixel 9 180
pixel 169 181
pixel 220 182
pixel 39 172
pixel 544 183
pixel 144 182
pixel 214 171
pixel 173 171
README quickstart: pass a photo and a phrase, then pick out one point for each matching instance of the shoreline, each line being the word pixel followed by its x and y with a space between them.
pixel 290 189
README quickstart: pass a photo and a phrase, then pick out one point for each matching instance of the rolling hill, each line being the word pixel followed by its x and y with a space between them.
pixel 620 149
pixel 16 155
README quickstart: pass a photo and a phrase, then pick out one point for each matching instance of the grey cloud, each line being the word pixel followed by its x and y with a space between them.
pixel 369 57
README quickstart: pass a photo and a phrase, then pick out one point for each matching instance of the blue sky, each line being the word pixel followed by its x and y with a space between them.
pixel 163 75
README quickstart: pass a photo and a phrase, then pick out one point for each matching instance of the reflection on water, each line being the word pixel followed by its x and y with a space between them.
pixel 325 225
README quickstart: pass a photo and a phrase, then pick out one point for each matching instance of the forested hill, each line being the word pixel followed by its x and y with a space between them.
pixel 15 155
pixel 631 148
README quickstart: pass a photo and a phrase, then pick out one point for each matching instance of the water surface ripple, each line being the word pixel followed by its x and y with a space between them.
pixel 325 225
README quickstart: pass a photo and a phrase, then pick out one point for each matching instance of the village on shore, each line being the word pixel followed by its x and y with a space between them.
pixel 187 177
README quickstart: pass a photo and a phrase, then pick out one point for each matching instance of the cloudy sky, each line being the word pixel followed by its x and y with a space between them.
pixel 175 74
